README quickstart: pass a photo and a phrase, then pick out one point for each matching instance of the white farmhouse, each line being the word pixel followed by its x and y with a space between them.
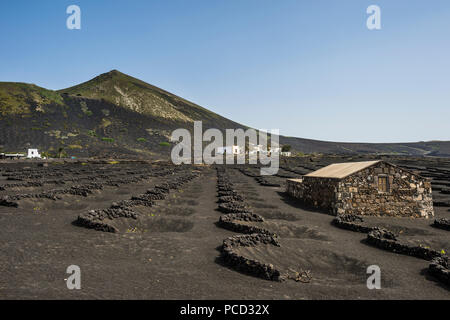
pixel 33 153
pixel 229 150
pixel 223 150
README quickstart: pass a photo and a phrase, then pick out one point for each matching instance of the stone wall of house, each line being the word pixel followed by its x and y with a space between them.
pixel 407 195
pixel 319 193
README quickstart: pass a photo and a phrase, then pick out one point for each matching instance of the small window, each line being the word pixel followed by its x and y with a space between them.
pixel 383 184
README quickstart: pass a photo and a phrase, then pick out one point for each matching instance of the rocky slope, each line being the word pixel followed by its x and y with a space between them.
pixel 118 115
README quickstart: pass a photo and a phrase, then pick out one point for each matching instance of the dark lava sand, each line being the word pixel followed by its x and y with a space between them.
pixel 171 250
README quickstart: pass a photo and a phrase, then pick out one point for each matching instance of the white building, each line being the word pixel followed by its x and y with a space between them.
pixel 229 150
pixel 236 150
pixel 33 153
pixel 223 150
pixel 255 148
pixel 286 154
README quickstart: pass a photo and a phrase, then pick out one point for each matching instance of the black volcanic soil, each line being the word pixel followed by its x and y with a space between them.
pixel 171 251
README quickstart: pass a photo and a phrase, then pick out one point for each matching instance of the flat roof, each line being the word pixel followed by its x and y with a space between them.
pixel 341 170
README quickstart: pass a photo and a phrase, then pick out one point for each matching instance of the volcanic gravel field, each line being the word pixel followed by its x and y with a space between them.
pixel 152 230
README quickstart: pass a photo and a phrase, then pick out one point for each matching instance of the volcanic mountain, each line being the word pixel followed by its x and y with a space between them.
pixel 116 115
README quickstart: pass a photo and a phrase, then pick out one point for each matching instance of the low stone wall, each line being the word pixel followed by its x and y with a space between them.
pixel 262 180
pixel 228 222
pixel 386 240
pixel 82 189
pixel 246 265
pixel 230 198
pixel 100 220
pixel 91 220
pixel 314 192
pixel 27 184
pixel 242 216
pixel 235 209
pixel 266 182
pixel 407 195
pixel 441 203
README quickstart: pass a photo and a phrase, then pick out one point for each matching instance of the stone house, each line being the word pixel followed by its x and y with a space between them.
pixel 373 188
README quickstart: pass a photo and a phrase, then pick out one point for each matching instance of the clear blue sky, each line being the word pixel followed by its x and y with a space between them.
pixel 310 68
